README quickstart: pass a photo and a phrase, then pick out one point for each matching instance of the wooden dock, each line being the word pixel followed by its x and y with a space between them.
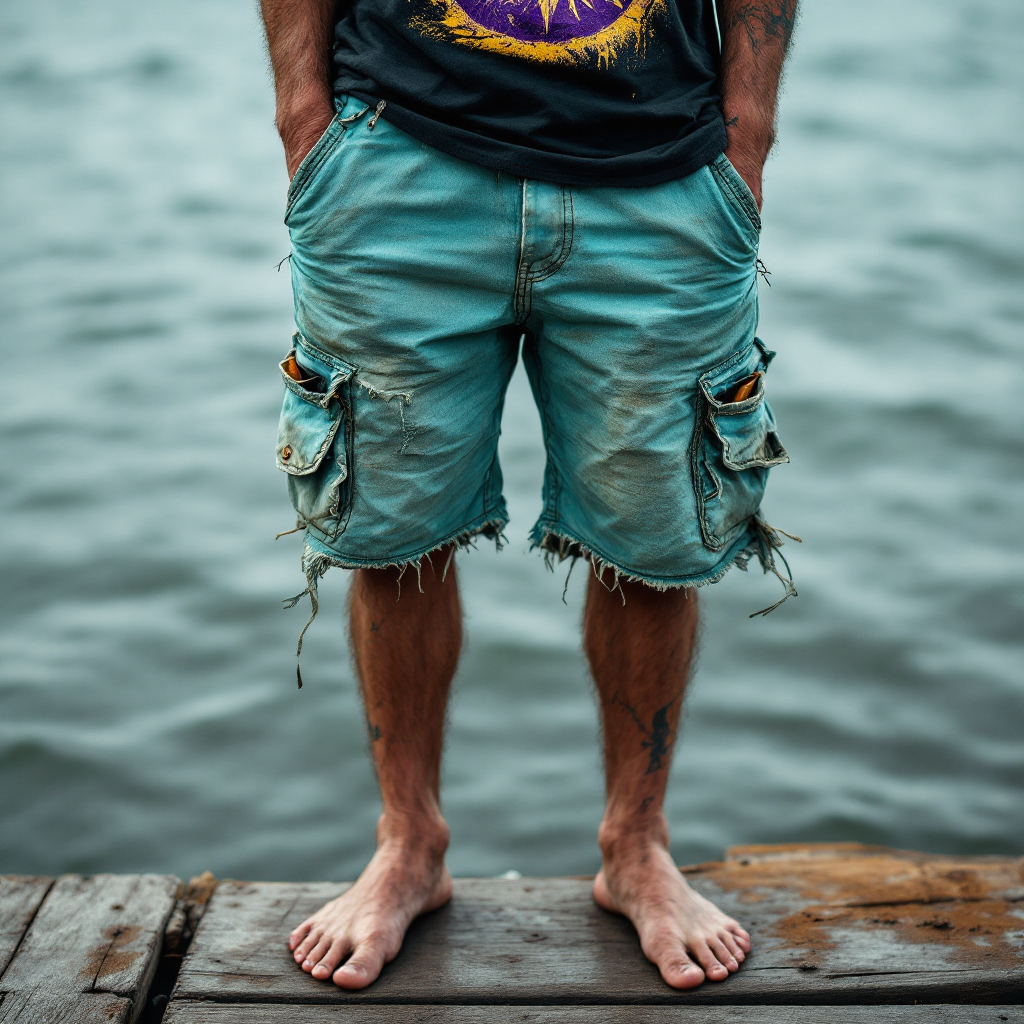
pixel 842 933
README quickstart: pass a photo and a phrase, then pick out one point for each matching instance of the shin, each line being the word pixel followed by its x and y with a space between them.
pixel 406 636
pixel 640 645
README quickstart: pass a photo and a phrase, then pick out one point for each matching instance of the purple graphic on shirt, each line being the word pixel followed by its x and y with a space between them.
pixel 544 21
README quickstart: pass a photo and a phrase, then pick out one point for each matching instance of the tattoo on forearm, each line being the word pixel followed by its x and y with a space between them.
pixel 765 20
pixel 658 739
pixel 373 731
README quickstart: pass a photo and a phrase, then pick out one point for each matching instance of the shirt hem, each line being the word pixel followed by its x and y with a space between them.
pixel 632 170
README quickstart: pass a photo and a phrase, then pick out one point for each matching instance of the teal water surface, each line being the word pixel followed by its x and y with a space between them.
pixel 148 713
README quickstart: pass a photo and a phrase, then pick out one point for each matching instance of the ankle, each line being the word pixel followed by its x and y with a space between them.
pixel 620 839
pixel 423 833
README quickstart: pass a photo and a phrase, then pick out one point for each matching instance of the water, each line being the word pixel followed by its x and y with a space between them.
pixel 149 715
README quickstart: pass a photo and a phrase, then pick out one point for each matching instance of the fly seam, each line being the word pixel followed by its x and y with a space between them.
pixel 568 229
pixel 522 270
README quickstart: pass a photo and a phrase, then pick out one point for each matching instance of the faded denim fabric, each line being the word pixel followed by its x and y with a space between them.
pixel 418 277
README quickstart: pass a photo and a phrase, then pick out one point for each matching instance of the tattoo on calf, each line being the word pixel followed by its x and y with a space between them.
pixel 373 731
pixel 658 739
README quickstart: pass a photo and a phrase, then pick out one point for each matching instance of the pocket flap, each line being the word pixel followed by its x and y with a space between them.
pixel 305 434
pixel 748 437
pixel 312 408
pixel 745 429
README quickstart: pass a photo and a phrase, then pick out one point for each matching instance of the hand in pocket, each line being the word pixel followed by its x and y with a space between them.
pixel 300 132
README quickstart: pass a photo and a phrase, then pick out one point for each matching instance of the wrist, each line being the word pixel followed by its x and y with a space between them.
pixel 300 124
pixel 303 106
pixel 748 155
pixel 749 131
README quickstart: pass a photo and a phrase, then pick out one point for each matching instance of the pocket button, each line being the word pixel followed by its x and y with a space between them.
pixel 286 453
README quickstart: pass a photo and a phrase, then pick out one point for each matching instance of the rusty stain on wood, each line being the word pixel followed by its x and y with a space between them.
pixel 111 957
pixel 973 905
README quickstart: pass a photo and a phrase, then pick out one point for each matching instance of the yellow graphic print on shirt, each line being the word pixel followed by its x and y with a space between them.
pixel 589 32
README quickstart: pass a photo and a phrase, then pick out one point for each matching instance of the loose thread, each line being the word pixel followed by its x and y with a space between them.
pixel 768 545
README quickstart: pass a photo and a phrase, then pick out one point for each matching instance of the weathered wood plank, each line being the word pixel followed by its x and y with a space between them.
pixel 248 1013
pixel 20 897
pixel 41 1007
pixel 91 950
pixel 830 925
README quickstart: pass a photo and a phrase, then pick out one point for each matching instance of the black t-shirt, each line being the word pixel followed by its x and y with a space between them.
pixel 582 92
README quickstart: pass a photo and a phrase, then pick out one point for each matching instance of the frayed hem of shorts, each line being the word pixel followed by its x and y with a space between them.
pixel 764 543
pixel 315 564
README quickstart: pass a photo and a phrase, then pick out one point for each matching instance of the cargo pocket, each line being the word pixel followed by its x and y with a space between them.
pixel 735 444
pixel 314 437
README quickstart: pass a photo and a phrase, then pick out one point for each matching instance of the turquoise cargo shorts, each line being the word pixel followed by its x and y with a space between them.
pixel 418 279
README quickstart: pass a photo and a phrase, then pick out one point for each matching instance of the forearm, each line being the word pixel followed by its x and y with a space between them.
pixel 299 36
pixel 755 41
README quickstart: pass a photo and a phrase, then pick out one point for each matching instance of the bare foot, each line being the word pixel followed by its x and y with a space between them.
pixel 676 925
pixel 364 928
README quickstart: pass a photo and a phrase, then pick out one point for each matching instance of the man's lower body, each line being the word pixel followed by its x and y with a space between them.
pixel 416 277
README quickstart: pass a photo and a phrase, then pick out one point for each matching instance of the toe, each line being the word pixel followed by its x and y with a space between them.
pixel 680 971
pixel 741 935
pixel 363 967
pixel 713 967
pixel 729 940
pixel 316 954
pixel 311 939
pixel 724 955
pixel 329 962
pixel 299 934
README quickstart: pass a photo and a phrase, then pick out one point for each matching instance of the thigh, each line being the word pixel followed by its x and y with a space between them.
pixel 401 262
pixel 656 302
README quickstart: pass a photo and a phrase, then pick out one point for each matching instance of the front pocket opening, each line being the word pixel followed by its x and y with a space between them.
pixel 736 193
pixel 313 161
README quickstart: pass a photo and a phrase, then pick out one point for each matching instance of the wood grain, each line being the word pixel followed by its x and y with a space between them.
pixel 830 924
pixel 43 1007
pixel 20 897
pixel 90 951
pixel 247 1013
